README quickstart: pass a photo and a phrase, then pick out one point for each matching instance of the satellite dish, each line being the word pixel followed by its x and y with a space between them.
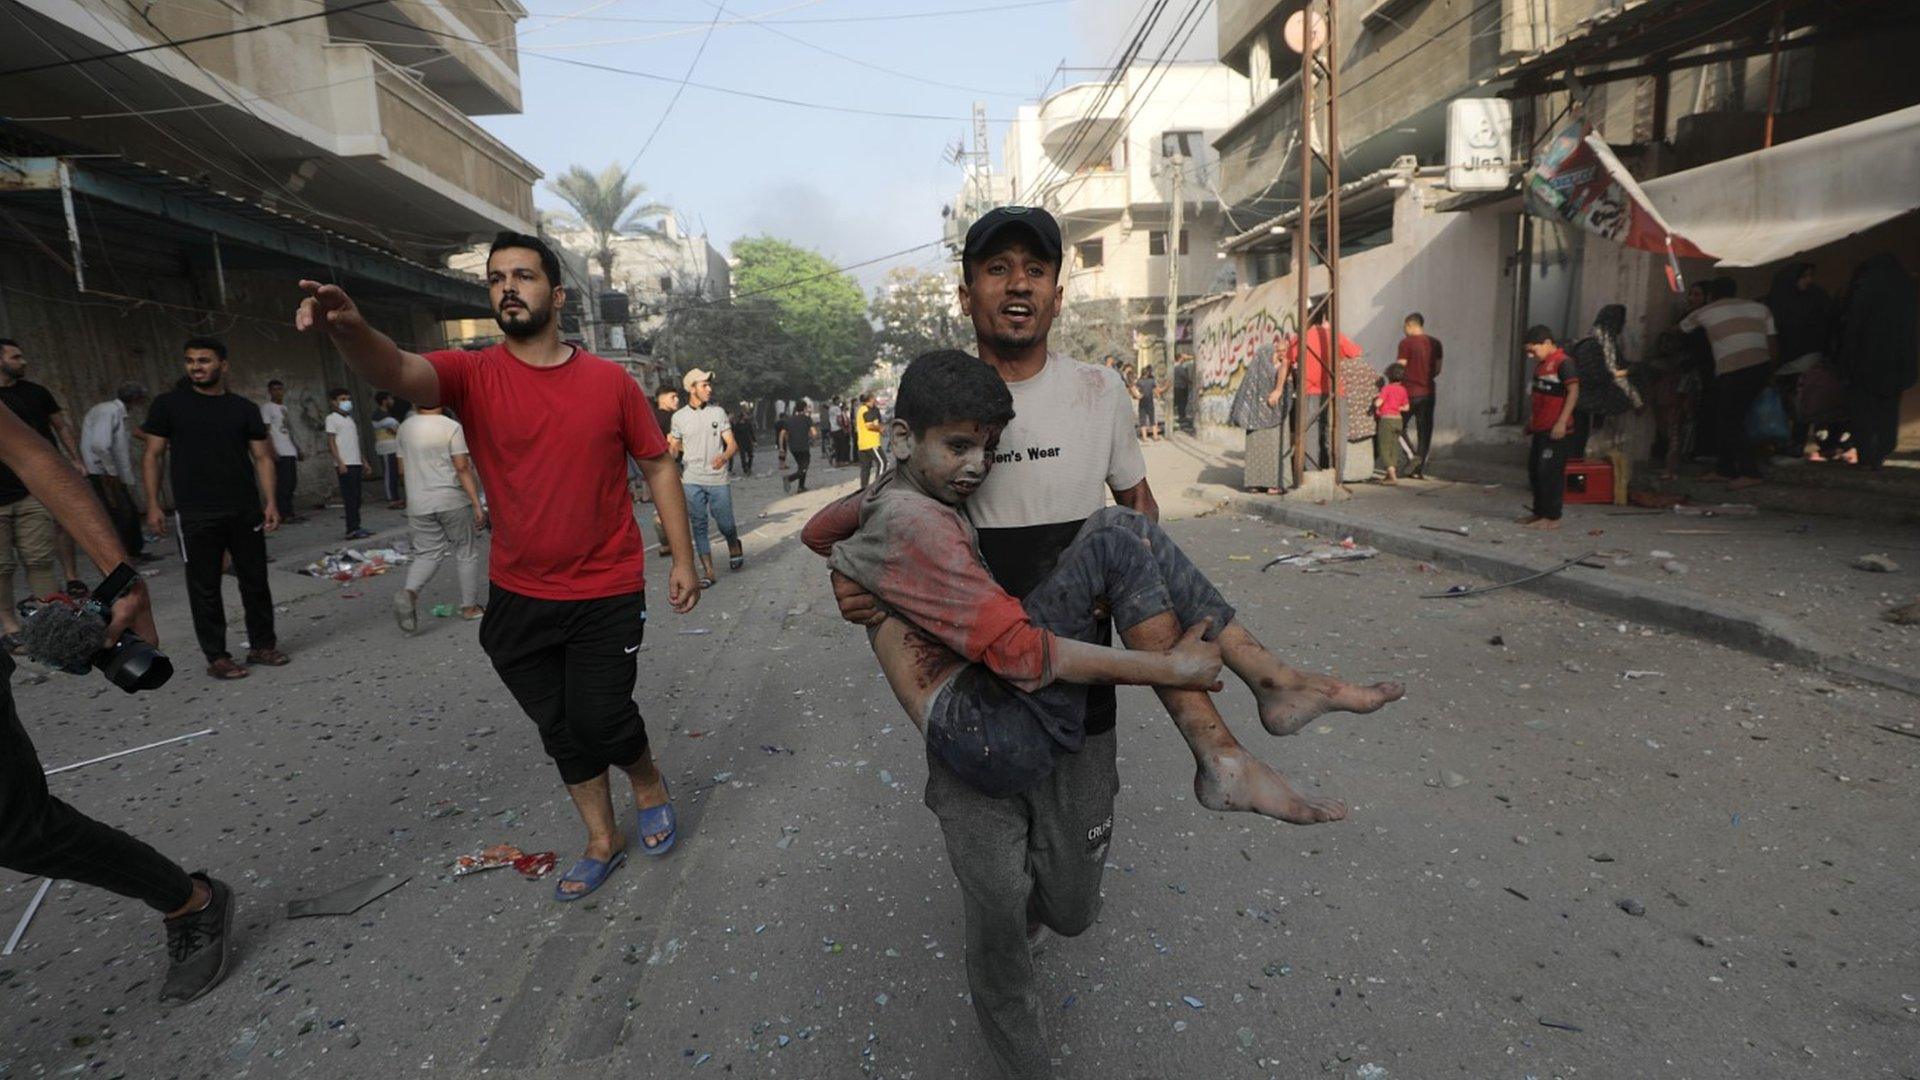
pixel 1293 34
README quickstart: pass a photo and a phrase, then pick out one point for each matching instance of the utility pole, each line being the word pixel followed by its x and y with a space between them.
pixel 1313 38
pixel 1176 164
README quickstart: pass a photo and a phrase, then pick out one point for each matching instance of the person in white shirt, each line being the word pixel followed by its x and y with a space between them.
pixel 106 453
pixel 287 454
pixel 343 442
pixel 444 511
pixel 386 446
pixel 702 434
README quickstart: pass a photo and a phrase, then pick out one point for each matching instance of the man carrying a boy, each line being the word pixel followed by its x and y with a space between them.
pixel 1033 861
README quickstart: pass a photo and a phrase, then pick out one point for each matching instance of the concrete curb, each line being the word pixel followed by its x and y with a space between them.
pixel 1761 633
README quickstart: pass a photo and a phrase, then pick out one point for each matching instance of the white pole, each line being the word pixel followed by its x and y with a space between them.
pixel 33 905
pixel 124 753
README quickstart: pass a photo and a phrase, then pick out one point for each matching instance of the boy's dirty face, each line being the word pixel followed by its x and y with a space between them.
pixel 947 461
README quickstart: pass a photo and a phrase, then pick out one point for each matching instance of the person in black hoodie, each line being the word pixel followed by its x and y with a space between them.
pixel 1877 348
pixel 1803 315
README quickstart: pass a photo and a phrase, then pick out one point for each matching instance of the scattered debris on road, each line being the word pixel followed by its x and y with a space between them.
pixel 352 564
pixel 1632 907
pixel 1457 530
pixel 1876 564
pixel 532 865
pixel 347 899
pixel 1458 591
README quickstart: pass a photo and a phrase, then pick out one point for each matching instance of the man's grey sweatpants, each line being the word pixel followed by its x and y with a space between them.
pixel 437 536
pixel 1048 843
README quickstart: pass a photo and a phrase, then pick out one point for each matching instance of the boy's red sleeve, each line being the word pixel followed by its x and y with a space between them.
pixel 835 522
pixel 934 578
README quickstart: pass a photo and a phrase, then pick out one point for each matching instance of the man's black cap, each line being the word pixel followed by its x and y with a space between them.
pixel 991 224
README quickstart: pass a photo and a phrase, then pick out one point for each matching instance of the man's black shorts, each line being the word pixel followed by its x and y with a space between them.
pixel 571 664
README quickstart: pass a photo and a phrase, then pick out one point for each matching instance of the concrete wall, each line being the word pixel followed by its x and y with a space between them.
pixel 81 346
pixel 1449 267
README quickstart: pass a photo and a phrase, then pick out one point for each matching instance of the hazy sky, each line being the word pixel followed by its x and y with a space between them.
pixel 850 186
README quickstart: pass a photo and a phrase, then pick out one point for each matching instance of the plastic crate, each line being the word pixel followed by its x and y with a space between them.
pixel 1589 481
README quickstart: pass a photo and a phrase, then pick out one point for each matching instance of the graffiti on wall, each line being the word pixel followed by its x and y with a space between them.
pixel 1226 337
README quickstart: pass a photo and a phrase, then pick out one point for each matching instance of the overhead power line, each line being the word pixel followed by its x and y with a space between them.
pixel 719 9
pixel 175 43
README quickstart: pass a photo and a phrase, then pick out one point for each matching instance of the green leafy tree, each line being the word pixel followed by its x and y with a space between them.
pixel 604 206
pixel 916 311
pixel 818 304
pixel 744 342
pixel 1088 329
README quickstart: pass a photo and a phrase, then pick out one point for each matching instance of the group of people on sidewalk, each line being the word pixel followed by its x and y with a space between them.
pixel 1377 406
pixel 989 582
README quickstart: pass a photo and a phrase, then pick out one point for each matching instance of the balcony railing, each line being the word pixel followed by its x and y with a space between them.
pixel 1089 195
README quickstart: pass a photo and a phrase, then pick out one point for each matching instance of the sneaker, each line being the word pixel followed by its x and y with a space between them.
pixel 359 534
pixel 198 946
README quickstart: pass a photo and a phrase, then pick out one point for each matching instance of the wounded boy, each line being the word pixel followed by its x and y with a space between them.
pixel 997 684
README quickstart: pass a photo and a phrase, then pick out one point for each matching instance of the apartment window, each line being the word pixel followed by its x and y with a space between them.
pixel 1091 253
pixel 666 283
pixel 1157 242
pixel 1185 143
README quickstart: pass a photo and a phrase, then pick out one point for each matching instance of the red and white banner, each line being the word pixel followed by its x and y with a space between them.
pixel 1577 179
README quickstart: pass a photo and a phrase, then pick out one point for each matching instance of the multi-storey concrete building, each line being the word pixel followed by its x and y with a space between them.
pixel 1700 99
pixel 1102 155
pixel 171 169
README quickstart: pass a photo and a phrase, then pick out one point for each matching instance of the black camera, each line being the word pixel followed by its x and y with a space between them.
pixel 67 636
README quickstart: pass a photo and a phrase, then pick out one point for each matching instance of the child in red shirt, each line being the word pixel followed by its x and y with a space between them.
pixel 1556 390
pixel 1390 407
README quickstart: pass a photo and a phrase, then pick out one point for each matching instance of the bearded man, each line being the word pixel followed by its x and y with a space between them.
pixel 550 427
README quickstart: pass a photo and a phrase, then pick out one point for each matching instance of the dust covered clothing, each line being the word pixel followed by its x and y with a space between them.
pixel 920 559
pixel 1072 438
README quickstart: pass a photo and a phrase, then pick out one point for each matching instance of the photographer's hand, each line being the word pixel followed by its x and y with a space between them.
pixel 133 611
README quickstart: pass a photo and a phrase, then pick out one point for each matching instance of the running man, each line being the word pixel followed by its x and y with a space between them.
pixel 1033 861
pixel 551 427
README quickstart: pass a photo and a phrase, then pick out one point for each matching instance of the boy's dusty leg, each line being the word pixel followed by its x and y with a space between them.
pixel 1228 778
pixel 916 665
pixel 1289 698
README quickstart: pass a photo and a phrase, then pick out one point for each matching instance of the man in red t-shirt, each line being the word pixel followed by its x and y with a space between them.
pixel 551 427
pixel 1318 365
pixel 1556 390
pixel 1422 353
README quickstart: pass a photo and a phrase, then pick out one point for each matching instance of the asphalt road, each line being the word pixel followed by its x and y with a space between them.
pixel 1463 922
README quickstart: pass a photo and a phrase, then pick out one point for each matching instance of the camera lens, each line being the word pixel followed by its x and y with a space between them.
pixel 134 665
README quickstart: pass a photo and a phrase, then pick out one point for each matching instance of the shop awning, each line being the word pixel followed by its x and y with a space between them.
pixel 144 201
pixel 1765 206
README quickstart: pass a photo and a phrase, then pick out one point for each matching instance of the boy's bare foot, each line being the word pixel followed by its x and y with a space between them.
pixel 1285 709
pixel 1239 781
pixel 1544 524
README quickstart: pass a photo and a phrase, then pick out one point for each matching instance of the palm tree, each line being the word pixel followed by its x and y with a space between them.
pixel 604 206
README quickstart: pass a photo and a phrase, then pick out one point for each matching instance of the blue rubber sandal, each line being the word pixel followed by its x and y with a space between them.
pixel 592 873
pixel 657 819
